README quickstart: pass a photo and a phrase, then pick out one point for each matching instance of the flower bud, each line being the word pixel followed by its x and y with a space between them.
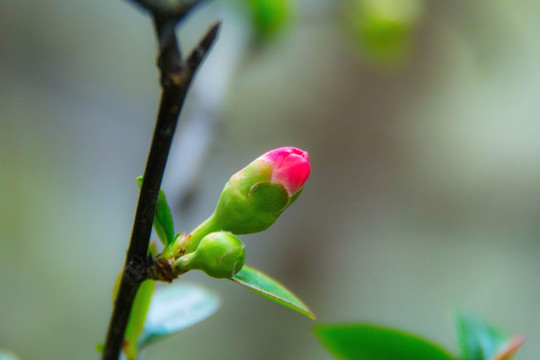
pixel 219 254
pixel 254 197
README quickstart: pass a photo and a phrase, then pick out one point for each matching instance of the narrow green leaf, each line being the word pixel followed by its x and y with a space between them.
pixel 265 286
pixel 137 318
pixel 174 308
pixel 371 342
pixel 163 222
pixel 481 341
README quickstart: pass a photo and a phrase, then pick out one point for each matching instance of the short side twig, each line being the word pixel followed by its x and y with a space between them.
pixel 176 77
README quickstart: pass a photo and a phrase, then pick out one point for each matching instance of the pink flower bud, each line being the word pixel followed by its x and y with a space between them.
pixel 255 196
pixel 290 167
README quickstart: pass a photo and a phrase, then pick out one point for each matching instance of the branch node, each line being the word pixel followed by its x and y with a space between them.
pixel 138 270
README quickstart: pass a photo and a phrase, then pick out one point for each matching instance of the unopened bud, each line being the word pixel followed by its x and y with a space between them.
pixel 219 254
pixel 254 197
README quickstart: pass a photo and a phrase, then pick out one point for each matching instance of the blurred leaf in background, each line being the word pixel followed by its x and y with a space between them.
pixel 481 341
pixel 268 17
pixel 370 342
pixel 383 29
pixel 7 355
pixel 174 308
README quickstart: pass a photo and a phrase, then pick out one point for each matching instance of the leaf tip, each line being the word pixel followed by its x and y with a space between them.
pixel 510 349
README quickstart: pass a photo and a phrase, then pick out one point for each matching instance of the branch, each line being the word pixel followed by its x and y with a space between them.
pixel 176 77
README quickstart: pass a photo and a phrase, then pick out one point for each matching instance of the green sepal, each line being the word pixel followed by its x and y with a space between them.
pixel 163 222
pixel 481 341
pixel 250 212
pixel 269 288
pixel 137 318
pixel 371 342
pixel 270 198
pixel 294 197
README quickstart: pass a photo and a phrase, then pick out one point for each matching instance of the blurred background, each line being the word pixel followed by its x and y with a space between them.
pixel 420 118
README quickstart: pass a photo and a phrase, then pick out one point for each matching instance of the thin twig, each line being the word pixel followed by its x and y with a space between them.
pixel 176 77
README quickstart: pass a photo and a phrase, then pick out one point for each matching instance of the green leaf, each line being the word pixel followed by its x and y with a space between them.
pixel 137 318
pixel 481 341
pixel 371 342
pixel 267 287
pixel 163 222
pixel 174 308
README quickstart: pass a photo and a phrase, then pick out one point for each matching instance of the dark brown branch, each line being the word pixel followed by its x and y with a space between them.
pixel 199 52
pixel 176 77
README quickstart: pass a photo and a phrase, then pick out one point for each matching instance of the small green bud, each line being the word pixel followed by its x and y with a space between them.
pixel 219 254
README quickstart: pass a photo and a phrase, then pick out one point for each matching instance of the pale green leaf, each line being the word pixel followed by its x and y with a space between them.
pixel 174 308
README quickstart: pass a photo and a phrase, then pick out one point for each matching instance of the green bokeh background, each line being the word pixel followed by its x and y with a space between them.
pixel 424 195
